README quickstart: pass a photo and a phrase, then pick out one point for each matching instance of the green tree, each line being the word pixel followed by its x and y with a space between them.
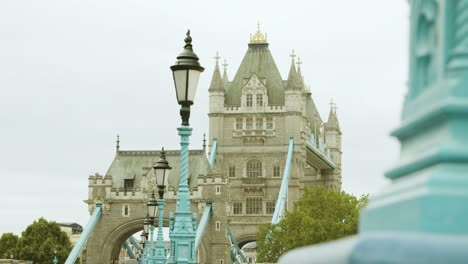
pixel 320 215
pixel 8 244
pixel 38 241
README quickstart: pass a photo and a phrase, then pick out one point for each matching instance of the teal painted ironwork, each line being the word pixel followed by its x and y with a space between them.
pixel 134 243
pixel 183 226
pixel 203 224
pixel 160 253
pixel 236 254
pixel 422 216
pixel 151 255
pixel 283 193
pixel 55 260
pixel 85 235
pixel 129 250
pixel 213 152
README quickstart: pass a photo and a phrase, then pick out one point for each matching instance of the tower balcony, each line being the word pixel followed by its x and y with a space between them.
pixel 318 156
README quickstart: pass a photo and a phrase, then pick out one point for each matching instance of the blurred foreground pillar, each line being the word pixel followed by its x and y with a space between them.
pixel 422 217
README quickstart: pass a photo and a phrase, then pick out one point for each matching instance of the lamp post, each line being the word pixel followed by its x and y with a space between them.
pixel 152 207
pixel 144 239
pixel 186 73
pixel 160 168
pixel 156 254
pixel 55 256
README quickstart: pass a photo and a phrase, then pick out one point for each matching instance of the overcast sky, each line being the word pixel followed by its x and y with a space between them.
pixel 73 74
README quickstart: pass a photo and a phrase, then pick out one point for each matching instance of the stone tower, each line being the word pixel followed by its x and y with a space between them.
pixel 253 117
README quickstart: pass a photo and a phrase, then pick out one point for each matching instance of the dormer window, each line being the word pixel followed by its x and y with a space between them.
pixel 259 99
pixel 249 100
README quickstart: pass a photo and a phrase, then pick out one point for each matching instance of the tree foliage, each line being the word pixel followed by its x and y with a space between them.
pixel 38 241
pixel 8 243
pixel 320 215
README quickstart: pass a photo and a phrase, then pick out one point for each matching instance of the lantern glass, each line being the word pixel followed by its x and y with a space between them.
pixel 146 225
pixel 152 207
pixel 160 177
pixel 186 83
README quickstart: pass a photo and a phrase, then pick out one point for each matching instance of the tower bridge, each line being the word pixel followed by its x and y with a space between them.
pixel 267 142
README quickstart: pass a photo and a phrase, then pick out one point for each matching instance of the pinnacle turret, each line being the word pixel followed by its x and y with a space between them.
pixel 332 123
pixel 216 81
pixel 293 82
pixel 117 146
pixel 225 76
pixel 300 76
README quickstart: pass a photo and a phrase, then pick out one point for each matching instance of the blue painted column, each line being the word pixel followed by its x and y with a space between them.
pixel 151 259
pixel 422 216
pixel 183 228
pixel 160 254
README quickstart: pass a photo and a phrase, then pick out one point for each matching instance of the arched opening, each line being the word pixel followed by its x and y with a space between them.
pixel 248 245
pixel 113 244
pixel 249 248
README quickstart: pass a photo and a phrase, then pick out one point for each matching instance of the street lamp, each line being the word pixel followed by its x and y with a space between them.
pixel 156 255
pixel 152 206
pixel 144 236
pixel 160 168
pixel 186 73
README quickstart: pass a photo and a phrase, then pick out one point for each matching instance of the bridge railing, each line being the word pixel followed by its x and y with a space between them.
pixel 317 144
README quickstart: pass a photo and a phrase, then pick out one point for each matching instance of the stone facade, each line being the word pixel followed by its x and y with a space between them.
pixel 252 118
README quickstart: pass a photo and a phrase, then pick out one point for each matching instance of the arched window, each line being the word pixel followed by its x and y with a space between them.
pixel 259 99
pixel 254 169
pixel 249 100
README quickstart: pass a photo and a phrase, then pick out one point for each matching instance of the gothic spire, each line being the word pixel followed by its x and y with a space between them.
pixel 225 76
pixel 216 81
pixel 299 73
pixel 332 123
pixel 117 146
pixel 204 141
pixel 293 79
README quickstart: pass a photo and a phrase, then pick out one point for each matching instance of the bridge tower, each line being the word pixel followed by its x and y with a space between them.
pixel 252 117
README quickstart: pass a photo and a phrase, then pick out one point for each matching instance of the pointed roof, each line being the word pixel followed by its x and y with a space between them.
pixel 332 123
pixel 299 75
pixel 257 60
pixel 293 82
pixel 225 76
pixel 216 82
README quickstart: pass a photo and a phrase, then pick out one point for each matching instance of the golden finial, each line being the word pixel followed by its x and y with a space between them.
pixel 258 37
